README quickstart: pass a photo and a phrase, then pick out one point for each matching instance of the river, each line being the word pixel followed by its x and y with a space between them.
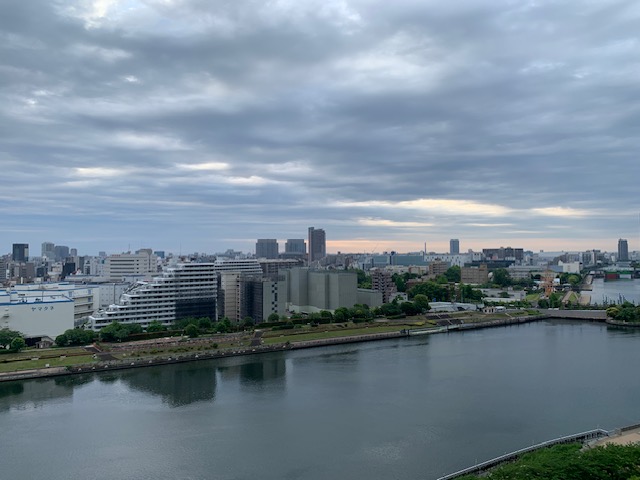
pixel 615 291
pixel 403 409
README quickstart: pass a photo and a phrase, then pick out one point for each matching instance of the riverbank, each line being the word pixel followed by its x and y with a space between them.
pixel 141 362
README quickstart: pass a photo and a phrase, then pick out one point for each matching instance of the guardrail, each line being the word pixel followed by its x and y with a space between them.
pixel 494 462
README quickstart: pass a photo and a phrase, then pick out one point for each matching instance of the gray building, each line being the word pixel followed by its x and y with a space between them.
pixel 295 246
pixel 20 252
pixel 317 244
pixel 267 248
pixel 315 290
pixel 454 246
pixel 48 250
pixel 623 250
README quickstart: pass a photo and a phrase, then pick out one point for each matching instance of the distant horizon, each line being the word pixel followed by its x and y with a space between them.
pixel 358 246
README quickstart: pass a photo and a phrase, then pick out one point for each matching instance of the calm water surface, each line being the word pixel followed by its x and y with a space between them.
pixel 398 409
pixel 615 291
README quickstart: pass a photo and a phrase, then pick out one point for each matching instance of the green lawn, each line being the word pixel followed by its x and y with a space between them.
pixel 322 334
pixel 53 362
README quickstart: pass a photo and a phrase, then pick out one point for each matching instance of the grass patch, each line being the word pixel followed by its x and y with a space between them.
pixel 29 364
pixel 305 337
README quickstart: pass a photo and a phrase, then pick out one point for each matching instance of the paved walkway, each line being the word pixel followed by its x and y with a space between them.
pixel 625 438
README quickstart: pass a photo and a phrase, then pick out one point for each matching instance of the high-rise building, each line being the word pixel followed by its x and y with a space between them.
pixel 295 245
pixel 20 252
pixel 454 246
pixel 61 252
pixel 48 250
pixel 317 244
pixel 267 248
pixel 623 250
pixel 143 262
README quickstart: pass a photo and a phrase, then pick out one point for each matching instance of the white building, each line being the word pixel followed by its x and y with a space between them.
pixel 249 266
pixel 49 314
pixel 144 262
pixel 86 298
pixel 184 290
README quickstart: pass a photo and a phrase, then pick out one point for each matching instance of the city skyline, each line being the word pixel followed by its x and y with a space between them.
pixel 197 126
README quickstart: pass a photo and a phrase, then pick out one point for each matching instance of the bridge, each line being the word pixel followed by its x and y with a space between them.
pixel 480 468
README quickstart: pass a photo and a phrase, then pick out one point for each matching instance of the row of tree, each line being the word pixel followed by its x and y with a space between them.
pixel 11 340
pixel 626 312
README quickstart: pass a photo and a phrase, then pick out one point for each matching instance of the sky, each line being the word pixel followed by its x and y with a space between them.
pixel 202 125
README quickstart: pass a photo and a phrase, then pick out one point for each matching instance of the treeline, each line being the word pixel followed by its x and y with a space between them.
pixel 571 462
pixel 626 312
pixel 11 341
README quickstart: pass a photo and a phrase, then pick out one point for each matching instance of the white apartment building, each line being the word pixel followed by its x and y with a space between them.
pixel 249 266
pixel 184 290
pixel 144 262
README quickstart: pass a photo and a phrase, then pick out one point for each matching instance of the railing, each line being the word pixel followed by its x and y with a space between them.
pixel 484 466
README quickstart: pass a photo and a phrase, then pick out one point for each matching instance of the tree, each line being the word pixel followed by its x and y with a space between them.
pixel 342 314
pixel 364 280
pixel 274 317
pixel 501 277
pixel 18 344
pixel 555 300
pixel 62 340
pixel 421 302
pixel 543 303
pixel 453 274
pixel 248 322
pixel 409 309
pixel 114 332
pixel 155 326
pixel 191 331
pixel 7 336
pixel 204 323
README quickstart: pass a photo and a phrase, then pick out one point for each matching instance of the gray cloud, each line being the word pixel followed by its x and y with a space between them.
pixel 209 124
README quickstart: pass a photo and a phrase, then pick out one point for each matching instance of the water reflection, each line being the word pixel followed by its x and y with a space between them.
pixel 258 373
pixel 33 393
pixel 176 385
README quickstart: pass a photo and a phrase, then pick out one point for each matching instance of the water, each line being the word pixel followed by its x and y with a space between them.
pixel 614 291
pixel 402 409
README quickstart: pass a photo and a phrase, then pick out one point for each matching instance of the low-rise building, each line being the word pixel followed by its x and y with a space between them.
pixel 44 315
pixel 474 275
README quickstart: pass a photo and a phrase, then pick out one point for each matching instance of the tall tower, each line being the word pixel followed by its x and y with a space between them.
pixel 267 248
pixel 454 246
pixel 20 252
pixel 623 250
pixel 317 244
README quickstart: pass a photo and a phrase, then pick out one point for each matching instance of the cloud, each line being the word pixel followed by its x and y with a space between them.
pixel 392 123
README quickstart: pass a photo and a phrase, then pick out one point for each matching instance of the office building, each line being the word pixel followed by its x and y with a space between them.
pixel 267 248
pixel 475 275
pixel 317 244
pixel 20 252
pixel 143 262
pixel 295 246
pixel 184 290
pixel 504 253
pixel 454 246
pixel 48 250
pixel 60 252
pixel 4 267
pixel 623 250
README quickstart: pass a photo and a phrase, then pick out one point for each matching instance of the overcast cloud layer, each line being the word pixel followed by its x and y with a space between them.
pixel 203 125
